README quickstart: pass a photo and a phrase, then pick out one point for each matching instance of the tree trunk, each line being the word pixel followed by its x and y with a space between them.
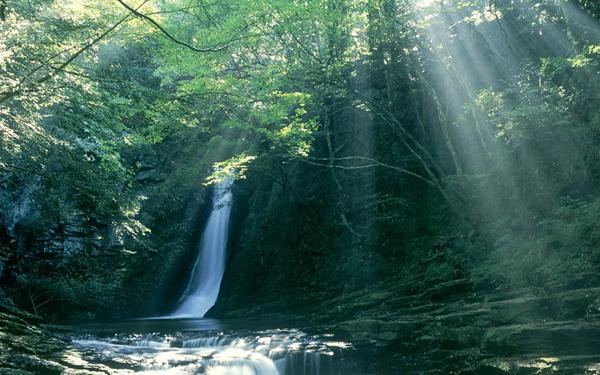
pixel 3 7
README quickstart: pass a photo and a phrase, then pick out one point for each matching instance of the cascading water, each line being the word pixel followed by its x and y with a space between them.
pixel 168 345
pixel 203 288
pixel 196 345
pixel 263 352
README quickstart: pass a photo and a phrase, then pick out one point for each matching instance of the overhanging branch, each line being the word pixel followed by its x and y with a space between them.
pixel 173 38
pixel 370 163
pixel 6 95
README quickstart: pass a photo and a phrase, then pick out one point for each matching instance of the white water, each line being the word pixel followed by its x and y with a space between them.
pixel 270 352
pixel 203 288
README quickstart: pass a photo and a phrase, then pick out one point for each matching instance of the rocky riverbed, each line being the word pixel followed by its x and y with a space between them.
pixel 452 328
pixel 28 348
pixel 459 327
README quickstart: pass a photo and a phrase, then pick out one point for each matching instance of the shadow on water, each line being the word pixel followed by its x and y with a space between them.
pixel 167 324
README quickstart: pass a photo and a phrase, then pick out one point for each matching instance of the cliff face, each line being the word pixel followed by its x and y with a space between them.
pixel 81 265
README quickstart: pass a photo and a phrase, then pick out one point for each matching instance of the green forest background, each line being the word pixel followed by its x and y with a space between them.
pixel 371 140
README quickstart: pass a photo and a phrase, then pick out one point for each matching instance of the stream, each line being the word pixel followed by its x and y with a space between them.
pixel 185 343
pixel 207 346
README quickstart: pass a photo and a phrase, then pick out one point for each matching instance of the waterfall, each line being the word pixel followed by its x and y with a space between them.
pixel 203 288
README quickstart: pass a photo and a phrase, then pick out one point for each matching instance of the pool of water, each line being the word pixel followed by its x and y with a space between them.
pixel 207 346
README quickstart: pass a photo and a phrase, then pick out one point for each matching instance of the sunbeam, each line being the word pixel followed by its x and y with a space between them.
pixel 313 187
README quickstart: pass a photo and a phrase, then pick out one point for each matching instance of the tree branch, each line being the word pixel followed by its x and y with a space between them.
pixel 4 96
pixel 171 37
pixel 373 163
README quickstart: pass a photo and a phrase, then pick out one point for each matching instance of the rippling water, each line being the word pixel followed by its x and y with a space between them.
pixel 205 346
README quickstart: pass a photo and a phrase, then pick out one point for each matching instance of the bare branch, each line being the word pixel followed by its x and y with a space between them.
pixel 171 37
pixel 373 163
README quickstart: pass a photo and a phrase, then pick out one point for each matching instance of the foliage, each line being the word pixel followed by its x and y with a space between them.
pixel 368 137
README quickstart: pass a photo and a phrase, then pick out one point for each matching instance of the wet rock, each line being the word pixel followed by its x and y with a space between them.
pixel 564 365
pixel 73 245
pixel 569 305
pixel 544 338
pixel 575 304
pixel 463 317
pixel 504 331
pixel 372 330
pixel 149 176
pixel 176 343
pixel 447 289
pixel 76 230
pixel 519 310
pixel 28 349
pixel 8 312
